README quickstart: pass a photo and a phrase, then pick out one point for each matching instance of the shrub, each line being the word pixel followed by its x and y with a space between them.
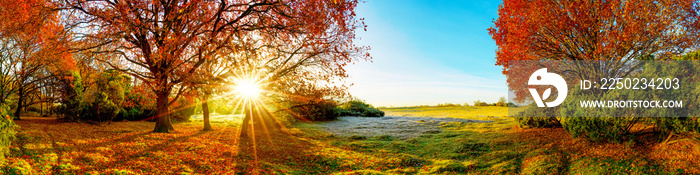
pixel 536 117
pixel 358 107
pixel 319 110
pixel 599 124
pixel 134 114
pixel 615 124
pixel 372 112
pixel 7 131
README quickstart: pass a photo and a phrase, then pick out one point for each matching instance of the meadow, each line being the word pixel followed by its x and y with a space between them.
pixel 45 146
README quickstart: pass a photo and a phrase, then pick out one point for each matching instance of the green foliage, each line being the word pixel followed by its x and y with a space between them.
pixel 357 107
pixel 103 103
pixel 134 114
pixel 615 124
pixel 73 106
pixel 7 131
pixel 677 120
pixel 112 87
pixel 598 124
pixel 322 110
pixel 535 117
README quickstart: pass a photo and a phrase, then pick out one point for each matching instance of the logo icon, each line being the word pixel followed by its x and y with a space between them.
pixel 542 77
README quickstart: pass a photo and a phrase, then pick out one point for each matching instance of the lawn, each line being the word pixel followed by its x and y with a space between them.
pixel 45 146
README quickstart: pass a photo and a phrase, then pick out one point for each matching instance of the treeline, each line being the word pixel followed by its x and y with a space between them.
pixel 501 102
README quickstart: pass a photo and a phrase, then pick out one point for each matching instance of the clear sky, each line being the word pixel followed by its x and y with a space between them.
pixel 427 52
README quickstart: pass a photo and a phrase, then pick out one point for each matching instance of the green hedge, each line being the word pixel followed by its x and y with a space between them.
pixel 358 107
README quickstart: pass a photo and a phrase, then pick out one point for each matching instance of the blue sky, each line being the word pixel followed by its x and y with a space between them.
pixel 427 52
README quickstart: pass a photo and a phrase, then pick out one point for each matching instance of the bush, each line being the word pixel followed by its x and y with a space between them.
pixel 599 124
pixel 320 110
pixel 615 124
pixel 134 114
pixel 372 112
pixel 536 117
pixel 7 131
pixel 358 107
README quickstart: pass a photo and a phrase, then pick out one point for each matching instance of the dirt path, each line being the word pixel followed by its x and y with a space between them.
pixel 397 127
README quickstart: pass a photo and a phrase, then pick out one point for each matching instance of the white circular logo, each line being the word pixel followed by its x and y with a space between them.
pixel 542 77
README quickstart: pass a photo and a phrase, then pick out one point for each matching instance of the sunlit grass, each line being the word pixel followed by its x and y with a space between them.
pixel 463 112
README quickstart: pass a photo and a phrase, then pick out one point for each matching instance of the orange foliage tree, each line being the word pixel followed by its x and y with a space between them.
pixel 165 42
pixel 33 48
pixel 617 31
pixel 298 75
pixel 294 64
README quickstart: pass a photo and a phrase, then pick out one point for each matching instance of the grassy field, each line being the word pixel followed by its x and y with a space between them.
pixel 463 112
pixel 44 146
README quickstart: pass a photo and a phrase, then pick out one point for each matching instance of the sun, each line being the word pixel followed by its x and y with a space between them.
pixel 248 88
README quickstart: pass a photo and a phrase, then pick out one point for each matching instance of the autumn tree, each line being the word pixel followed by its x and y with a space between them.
pixel 617 31
pixel 33 48
pixel 210 80
pixel 166 41
pixel 298 70
pixel 112 87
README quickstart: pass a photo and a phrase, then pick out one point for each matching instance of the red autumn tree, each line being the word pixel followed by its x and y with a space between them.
pixel 165 42
pixel 297 73
pixel 617 31
pixel 293 64
pixel 33 48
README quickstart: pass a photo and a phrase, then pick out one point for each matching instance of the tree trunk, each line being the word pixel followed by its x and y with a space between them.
pixel 248 115
pixel 163 124
pixel 97 114
pixel 205 113
pixel 20 100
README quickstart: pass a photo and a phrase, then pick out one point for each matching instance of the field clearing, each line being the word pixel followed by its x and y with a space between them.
pixel 462 112
pixel 447 146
